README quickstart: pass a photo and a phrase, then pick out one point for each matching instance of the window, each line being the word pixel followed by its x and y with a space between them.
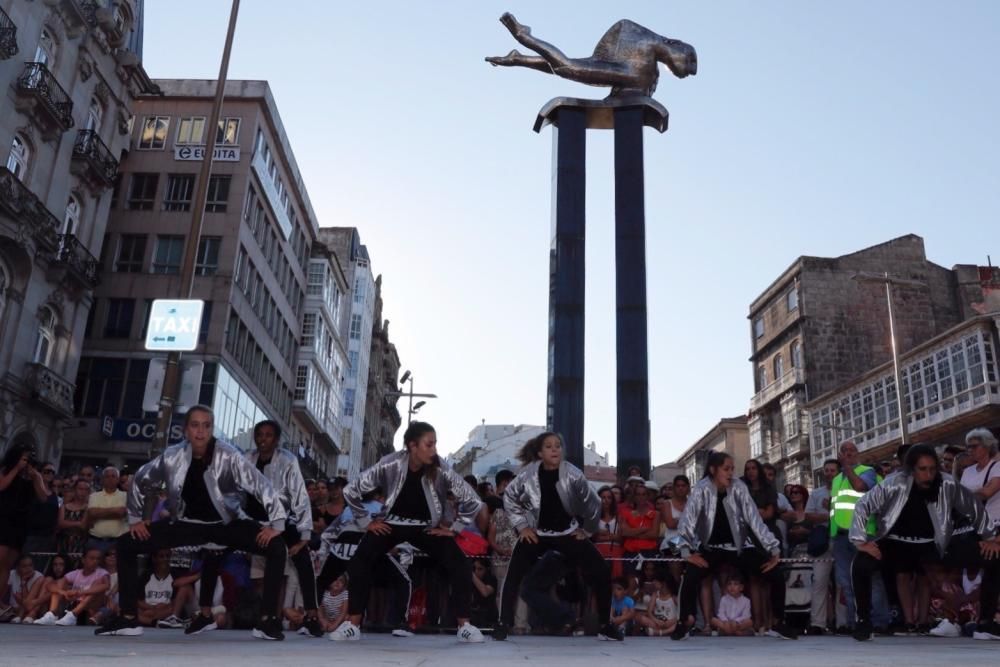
pixel 218 194
pixel 4 289
pixel 154 132
pixel 118 323
pixel 180 189
pixel 147 309
pixel 46 50
pixel 359 289
pixel 355 333
pixel 100 384
pixel 190 130
pixel 308 329
pixel 792 299
pixel 317 276
pixel 239 273
pixel 17 160
pixel 71 219
pixel 229 131
pixel 91 316
pixel 301 382
pixel 208 383
pixel 352 363
pixel 135 387
pixel 796 354
pixel 46 339
pixel 349 402
pixel 168 254
pixel 94 115
pixel 779 366
pixel 131 252
pixel 206 321
pixel 761 377
pixel 142 193
pixel 758 327
pixel 207 262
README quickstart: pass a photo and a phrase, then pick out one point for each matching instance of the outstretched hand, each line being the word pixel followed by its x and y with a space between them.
pixel 698 561
pixel 265 536
pixel 379 527
pixel 139 531
pixel 528 535
pixel 770 564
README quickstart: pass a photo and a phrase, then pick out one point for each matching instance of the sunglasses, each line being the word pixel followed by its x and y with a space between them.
pixel 48 472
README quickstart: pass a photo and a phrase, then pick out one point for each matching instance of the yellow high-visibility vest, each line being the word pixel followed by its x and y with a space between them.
pixel 843 497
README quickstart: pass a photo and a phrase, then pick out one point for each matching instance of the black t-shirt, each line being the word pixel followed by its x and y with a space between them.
pixel 915 520
pixel 252 506
pixel 43 516
pixel 411 503
pixel 485 602
pixel 197 503
pixel 551 515
pixel 16 499
pixel 722 533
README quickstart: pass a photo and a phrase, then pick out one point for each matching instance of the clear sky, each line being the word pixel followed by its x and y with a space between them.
pixel 811 129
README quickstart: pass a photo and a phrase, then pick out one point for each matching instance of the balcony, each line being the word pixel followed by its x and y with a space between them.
pixel 8 36
pixel 39 91
pixel 33 219
pixel 75 262
pixel 774 390
pixel 92 159
pixel 49 389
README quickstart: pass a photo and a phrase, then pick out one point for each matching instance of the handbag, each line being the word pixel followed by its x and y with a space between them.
pixel 819 540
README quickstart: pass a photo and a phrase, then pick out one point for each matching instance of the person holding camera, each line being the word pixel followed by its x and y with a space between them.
pixel 20 484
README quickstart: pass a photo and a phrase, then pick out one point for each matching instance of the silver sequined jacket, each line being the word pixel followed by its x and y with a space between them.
pixel 523 498
pixel 886 501
pixel 285 475
pixel 389 474
pixel 229 476
pixel 695 526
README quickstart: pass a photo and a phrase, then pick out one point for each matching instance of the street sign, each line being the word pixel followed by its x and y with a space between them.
pixel 139 430
pixel 190 388
pixel 174 325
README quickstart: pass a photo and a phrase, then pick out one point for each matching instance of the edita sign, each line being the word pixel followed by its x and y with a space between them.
pixel 197 153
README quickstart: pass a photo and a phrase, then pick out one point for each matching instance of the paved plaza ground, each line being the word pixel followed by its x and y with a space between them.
pixel 29 646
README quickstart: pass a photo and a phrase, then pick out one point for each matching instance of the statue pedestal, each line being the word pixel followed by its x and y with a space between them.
pixel 570 119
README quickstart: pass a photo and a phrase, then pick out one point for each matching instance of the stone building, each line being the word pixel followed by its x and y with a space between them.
pixel 730 435
pixel 382 418
pixel 817 327
pixel 252 271
pixel 69 72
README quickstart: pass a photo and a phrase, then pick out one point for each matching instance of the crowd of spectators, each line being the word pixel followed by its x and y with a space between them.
pixel 58 558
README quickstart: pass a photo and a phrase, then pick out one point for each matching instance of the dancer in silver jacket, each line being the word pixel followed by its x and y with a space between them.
pixel 916 511
pixel 416 483
pixel 722 527
pixel 206 480
pixel 553 508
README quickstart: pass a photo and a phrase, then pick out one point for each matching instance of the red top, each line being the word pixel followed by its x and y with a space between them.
pixel 635 520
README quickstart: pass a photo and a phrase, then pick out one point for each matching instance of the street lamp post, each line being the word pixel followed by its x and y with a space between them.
pixel 889 281
pixel 412 409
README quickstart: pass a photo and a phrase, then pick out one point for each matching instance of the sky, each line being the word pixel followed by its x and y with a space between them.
pixel 810 129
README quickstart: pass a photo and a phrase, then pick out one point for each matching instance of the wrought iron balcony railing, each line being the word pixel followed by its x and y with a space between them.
pixel 22 205
pixel 95 153
pixel 37 81
pixel 50 389
pixel 78 259
pixel 8 36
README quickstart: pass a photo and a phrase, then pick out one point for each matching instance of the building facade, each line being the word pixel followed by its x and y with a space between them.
pixel 818 327
pixel 251 270
pixel 70 72
pixel 492 447
pixel 730 435
pixel 382 418
pixel 346 244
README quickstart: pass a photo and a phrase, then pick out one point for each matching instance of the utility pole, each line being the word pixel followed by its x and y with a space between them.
pixel 171 379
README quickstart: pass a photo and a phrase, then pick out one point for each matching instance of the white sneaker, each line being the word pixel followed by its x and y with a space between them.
pixel 402 631
pixel 27 620
pixel 945 629
pixel 16 620
pixel 345 632
pixel 69 618
pixel 48 619
pixel 470 634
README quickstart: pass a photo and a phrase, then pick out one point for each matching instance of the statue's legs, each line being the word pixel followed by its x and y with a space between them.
pixel 517 59
pixel 583 70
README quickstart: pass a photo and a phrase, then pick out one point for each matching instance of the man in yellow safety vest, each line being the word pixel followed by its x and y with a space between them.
pixel 846 489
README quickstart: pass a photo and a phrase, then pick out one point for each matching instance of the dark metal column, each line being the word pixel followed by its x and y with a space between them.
pixel 567 280
pixel 630 292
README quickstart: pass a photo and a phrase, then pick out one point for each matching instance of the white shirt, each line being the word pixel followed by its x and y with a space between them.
pixel 974 480
pixel 159 591
pixel 14 582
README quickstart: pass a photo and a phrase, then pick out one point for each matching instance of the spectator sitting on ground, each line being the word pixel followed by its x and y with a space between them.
pixel 734 617
pixel 188 587
pixel 110 607
pixel 82 590
pixel 550 614
pixel 57 569
pixel 25 586
pixel 622 607
pixel 157 603
pixel 106 511
pixel 483 610
pixel 333 609
pixel 660 617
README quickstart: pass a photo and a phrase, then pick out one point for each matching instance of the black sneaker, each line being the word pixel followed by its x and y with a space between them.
pixel 609 633
pixel 782 631
pixel 815 631
pixel 863 632
pixel 987 631
pixel 907 630
pixel 923 630
pixel 268 628
pixel 200 623
pixel 680 633
pixel 500 631
pixel 120 626
pixel 311 625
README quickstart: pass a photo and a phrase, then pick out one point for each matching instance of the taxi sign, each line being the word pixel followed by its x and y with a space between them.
pixel 174 325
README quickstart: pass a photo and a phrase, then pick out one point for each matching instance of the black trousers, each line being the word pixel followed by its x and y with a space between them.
pixel 240 534
pixel 578 553
pixel 897 556
pixel 748 562
pixel 388 571
pixel 441 549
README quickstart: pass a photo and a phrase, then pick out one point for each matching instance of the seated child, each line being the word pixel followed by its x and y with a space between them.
pixel 733 617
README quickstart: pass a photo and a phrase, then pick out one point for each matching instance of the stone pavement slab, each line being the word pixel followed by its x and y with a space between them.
pixel 26 646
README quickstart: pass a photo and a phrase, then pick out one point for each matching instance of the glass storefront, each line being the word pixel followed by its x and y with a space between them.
pixel 235 411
